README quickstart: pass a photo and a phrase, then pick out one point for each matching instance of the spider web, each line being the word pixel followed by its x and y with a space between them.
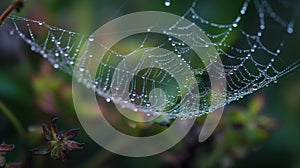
pixel 250 59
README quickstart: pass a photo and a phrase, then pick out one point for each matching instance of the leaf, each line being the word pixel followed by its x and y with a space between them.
pixel 55 153
pixel 2 160
pixel 6 147
pixel 256 104
pixel 53 128
pixel 71 134
pixel 59 154
pixel 73 145
pixel 47 133
pixel 43 150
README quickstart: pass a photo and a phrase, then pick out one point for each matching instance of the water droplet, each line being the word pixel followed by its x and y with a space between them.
pixel 290 30
pixel 81 69
pixel 243 10
pixel 11 32
pixel 255 87
pixel 108 100
pixel 259 34
pixel 91 38
pixel 33 48
pixel 278 51
pixel 56 66
pixel 41 23
pixel 167 3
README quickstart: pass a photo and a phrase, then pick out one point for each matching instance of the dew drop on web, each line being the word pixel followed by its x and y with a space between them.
pixel 167 3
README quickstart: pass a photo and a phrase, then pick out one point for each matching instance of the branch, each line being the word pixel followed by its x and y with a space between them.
pixel 16 5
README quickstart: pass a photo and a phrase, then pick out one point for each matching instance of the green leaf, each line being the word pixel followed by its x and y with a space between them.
pixel 256 104
pixel 55 153
pixel 43 150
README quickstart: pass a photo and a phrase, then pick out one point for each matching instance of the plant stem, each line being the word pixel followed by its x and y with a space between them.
pixel 17 124
pixel 16 5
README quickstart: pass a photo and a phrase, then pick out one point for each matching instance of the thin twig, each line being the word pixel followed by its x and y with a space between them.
pixel 16 5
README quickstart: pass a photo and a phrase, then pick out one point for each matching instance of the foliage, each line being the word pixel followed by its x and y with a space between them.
pixel 7 148
pixel 58 144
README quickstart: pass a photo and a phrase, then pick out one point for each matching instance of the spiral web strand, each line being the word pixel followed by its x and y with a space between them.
pixel 250 63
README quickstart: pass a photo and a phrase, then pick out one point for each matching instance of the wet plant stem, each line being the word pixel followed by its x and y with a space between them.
pixel 16 5
pixel 13 119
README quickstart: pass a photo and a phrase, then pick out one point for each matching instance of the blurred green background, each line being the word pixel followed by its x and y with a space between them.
pixel 261 130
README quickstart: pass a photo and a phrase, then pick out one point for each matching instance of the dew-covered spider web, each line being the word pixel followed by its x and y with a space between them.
pixel 249 44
